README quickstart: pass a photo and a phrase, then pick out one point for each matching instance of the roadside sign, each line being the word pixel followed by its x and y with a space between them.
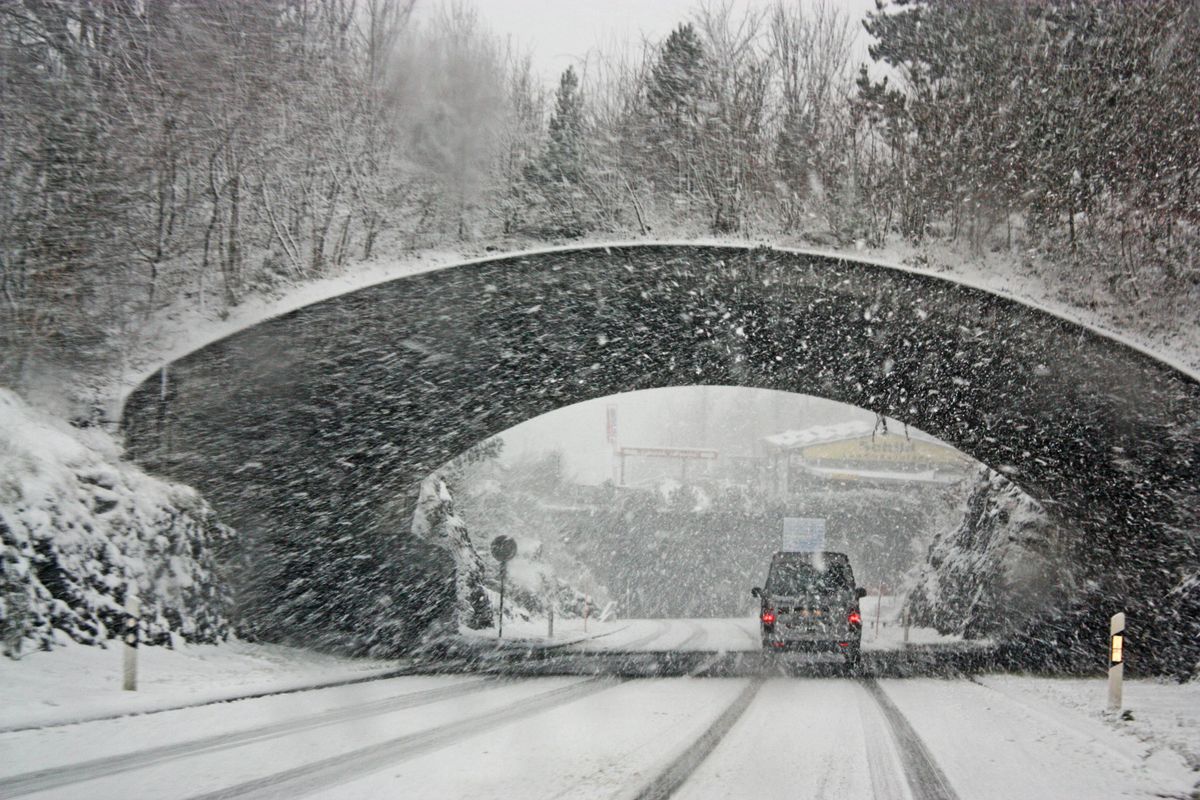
pixel 504 548
pixel 803 534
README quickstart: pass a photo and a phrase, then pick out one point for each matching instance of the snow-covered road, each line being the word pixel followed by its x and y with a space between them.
pixel 715 635
pixel 569 737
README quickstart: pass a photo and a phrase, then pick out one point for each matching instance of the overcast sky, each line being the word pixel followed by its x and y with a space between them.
pixel 725 418
pixel 558 33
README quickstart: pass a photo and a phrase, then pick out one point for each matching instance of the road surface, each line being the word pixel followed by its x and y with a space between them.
pixel 779 733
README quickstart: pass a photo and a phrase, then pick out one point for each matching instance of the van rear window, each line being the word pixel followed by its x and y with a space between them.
pixel 798 577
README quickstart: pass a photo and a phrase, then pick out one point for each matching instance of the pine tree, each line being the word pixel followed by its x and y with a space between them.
pixel 564 152
pixel 677 80
pixel 559 175
pixel 673 96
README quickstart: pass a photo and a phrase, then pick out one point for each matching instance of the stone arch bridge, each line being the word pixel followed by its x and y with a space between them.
pixel 308 431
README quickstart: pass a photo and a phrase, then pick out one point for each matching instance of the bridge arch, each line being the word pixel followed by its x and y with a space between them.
pixel 301 427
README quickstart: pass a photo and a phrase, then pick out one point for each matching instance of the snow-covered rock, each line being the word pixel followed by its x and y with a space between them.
pixel 78 527
pixel 999 568
pixel 435 521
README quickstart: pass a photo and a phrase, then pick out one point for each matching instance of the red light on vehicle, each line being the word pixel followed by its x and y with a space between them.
pixel 768 617
pixel 843 644
pixel 855 618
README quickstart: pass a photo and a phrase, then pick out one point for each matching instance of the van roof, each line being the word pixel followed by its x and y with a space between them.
pixel 807 554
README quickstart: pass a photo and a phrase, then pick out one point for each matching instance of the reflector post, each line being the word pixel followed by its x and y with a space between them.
pixel 133 610
pixel 1116 660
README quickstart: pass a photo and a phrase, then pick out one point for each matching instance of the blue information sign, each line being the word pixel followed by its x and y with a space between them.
pixel 803 534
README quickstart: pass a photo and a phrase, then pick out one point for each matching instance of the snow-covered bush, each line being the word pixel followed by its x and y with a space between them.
pixel 78 526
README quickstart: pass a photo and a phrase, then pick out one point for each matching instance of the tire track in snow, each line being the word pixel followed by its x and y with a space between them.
pixel 672 777
pixel 234 698
pixel 755 639
pixel 659 629
pixel 642 641
pixel 324 773
pixel 41 780
pixel 884 762
pixel 695 639
pixel 925 778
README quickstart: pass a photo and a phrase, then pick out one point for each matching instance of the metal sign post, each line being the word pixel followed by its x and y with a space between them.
pixel 503 549
pixel 1116 660
pixel 878 607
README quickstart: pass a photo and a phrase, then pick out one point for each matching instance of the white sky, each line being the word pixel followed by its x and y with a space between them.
pixel 558 33
pixel 728 419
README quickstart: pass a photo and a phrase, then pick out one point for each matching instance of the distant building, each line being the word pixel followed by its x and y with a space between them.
pixel 856 454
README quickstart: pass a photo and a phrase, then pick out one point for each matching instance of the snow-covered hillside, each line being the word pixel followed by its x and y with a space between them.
pixel 78 526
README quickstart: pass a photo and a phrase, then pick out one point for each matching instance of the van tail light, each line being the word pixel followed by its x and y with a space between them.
pixel 768 617
pixel 855 618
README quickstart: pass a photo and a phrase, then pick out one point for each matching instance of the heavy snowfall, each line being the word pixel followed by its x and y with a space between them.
pixel 757 398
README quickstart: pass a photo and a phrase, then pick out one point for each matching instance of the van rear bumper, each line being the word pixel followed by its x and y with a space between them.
pixel 810 646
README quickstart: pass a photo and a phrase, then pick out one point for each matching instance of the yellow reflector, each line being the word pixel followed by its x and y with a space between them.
pixel 1118 642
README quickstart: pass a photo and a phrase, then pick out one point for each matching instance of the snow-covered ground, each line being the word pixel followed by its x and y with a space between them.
pixel 884 629
pixel 739 634
pixel 1162 715
pixel 1010 736
pixel 479 737
pixel 75 682
pixel 622 635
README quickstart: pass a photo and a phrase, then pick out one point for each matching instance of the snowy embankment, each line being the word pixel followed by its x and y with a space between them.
pixel 79 528
pixel 1021 736
pixel 75 683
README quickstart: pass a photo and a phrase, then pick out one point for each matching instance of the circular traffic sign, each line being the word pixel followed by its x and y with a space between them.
pixel 504 548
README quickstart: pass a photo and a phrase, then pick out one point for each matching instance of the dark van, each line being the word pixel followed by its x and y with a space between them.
pixel 810 602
